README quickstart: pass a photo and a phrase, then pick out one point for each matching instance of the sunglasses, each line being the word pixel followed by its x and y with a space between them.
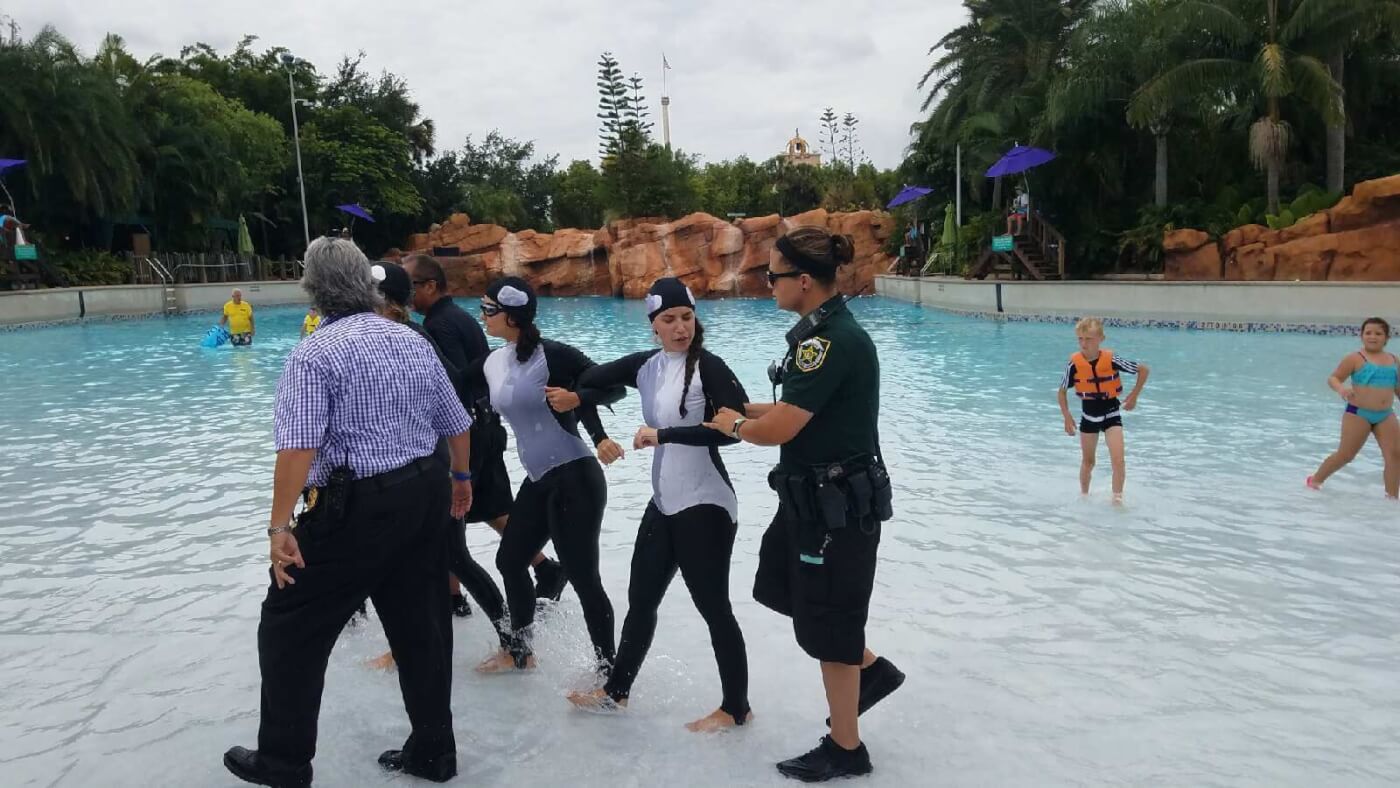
pixel 491 310
pixel 774 276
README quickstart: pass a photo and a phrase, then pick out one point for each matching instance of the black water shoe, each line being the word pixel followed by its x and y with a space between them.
pixel 876 683
pixel 461 608
pixel 827 762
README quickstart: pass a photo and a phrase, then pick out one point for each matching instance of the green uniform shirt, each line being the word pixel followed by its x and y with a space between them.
pixel 834 375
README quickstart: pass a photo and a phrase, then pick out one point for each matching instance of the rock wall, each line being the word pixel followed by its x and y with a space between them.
pixel 714 257
pixel 1356 240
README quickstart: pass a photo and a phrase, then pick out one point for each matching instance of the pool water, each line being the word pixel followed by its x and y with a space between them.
pixel 1226 627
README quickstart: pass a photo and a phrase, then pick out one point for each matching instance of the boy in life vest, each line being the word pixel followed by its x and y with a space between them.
pixel 1095 375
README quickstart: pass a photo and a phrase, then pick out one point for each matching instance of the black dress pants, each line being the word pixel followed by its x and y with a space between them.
pixel 389 548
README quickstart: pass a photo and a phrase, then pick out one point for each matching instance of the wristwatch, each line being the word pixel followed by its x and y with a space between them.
pixel 734 431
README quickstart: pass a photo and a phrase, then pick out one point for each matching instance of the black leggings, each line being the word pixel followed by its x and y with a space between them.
pixel 566 505
pixel 476 580
pixel 699 542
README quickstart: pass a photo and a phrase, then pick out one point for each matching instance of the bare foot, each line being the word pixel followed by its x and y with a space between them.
pixel 1118 499
pixel 717 720
pixel 1312 485
pixel 385 662
pixel 503 662
pixel 596 701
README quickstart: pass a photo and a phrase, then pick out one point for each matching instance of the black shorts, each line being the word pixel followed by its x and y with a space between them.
pixel 828 602
pixel 1091 427
pixel 1100 415
pixel 491 493
pixel 241 339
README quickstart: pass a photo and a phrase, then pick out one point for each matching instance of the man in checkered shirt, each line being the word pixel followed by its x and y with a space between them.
pixel 368 395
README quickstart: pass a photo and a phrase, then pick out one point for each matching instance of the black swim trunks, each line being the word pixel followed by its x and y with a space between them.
pixel 1100 415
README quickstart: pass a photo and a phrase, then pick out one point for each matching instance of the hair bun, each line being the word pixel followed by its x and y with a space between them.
pixel 843 249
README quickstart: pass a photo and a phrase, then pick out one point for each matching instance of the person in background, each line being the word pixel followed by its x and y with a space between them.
pixel 1370 406
pixel 311 322
pixel 462 341
pixel 238 317
pixel 9 224
pixel 1095 375
pixel 1020 209
pixel 360 407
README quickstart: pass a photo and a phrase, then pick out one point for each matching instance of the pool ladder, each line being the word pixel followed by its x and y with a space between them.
pixel 172 304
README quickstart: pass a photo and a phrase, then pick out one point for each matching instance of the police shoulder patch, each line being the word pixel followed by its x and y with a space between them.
pixel 811 353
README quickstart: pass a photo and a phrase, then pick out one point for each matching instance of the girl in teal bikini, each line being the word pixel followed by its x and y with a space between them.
pixel 1370 406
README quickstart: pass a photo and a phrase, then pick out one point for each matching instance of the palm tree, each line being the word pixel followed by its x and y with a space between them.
pixel 989 84
pixel 68 119
pixel 1257 64
pixel 1331 29
pixel 1120 48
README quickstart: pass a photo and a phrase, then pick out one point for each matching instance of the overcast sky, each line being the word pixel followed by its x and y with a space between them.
pixel 744 74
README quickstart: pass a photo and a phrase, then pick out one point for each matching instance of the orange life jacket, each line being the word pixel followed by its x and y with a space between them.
pixel 1098 380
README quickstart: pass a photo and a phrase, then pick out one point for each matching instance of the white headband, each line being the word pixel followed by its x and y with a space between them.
pixel 512 297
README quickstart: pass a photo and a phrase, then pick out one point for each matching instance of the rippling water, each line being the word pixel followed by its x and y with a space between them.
pixel 1227 627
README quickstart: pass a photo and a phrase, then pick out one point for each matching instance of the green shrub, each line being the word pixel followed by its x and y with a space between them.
pixel 90 267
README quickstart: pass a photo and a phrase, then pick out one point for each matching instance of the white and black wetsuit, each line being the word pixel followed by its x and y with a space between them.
pixel 564 495
pixel 692 518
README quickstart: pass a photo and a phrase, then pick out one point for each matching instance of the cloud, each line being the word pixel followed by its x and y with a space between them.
pixel 745 72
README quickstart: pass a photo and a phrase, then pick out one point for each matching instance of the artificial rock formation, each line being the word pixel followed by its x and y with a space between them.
pixel 714 257
pixel 1356 240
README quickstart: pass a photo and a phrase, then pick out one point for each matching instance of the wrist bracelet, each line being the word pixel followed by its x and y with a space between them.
pixel 281 529
pixel 461 476
pixel 734 431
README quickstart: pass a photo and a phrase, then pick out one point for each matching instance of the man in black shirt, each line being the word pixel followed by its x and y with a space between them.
pixel 463 342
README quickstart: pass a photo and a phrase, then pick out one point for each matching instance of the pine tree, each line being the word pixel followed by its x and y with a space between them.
pixel 636 116
pixel 850 139
pixel 614 106
pixel 830 131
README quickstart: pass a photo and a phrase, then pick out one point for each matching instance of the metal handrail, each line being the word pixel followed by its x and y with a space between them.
pixel 160 270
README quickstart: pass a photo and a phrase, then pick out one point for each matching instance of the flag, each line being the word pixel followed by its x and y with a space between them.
pixel 664 64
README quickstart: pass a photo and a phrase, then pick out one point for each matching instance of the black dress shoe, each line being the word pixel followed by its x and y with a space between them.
pixel 461 608
pixel 828 762
pixel 248 767
pixel 550 579
pixel 877 682
pixel 440 770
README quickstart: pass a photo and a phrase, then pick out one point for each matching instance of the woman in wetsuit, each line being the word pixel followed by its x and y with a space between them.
pixel 530 382
pixel 397 288
pixel 692 518
pixel 1370 406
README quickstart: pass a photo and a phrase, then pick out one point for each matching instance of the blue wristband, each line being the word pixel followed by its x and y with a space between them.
pixel 461 476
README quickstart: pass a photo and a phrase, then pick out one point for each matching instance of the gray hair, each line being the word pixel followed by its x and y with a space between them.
pixel 337 277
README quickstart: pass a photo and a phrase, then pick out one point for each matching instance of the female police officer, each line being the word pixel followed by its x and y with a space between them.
pixel 817 560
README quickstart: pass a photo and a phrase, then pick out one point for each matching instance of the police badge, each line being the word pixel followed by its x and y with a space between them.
pixel 810 354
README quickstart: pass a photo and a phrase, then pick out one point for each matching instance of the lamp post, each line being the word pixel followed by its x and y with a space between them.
pixel 287 61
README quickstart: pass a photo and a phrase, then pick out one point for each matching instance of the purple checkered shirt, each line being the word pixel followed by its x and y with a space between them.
pixel 366 390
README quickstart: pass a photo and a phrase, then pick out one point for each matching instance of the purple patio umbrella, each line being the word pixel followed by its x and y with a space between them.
pixel 1019 159
pixel 354 209
pixel 9 164
pixel 908 194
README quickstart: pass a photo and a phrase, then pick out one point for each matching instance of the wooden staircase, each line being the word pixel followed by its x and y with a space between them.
pixel 1038 254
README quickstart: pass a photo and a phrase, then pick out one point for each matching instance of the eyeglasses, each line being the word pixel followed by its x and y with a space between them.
pixel 774 276
pixel 423 281
pixel 490 310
